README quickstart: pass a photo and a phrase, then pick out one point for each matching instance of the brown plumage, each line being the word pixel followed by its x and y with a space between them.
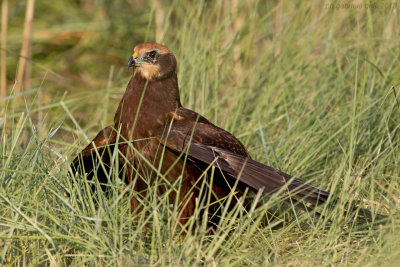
pixel 151 120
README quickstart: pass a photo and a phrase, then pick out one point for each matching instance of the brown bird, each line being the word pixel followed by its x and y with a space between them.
pixel 152 129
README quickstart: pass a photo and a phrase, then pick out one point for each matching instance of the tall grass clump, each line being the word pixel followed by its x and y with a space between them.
pixel 310 88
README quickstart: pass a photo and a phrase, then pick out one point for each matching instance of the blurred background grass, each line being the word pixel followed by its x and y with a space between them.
pixel 309 87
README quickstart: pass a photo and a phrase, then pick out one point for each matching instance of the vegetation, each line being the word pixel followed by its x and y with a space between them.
pixel 311 89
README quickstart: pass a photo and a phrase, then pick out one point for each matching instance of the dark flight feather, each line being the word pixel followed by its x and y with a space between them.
pixel 88 160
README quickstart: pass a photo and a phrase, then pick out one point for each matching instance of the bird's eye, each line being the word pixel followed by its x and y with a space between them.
pixel 152 54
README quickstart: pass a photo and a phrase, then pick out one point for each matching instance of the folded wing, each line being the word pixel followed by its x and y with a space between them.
pixel 206 144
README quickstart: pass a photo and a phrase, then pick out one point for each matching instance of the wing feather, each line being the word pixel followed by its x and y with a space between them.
pixel 87 161
pixel 257 175
pixel 209 144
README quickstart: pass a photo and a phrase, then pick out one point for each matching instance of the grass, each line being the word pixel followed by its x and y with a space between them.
pixel 309 88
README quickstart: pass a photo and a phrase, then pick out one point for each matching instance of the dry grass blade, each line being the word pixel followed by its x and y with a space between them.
pixel 25 55
pixel 3 52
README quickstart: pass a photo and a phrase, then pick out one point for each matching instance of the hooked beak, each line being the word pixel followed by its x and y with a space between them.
pixel 131 62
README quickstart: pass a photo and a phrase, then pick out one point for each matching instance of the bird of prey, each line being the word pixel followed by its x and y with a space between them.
pixel 156 135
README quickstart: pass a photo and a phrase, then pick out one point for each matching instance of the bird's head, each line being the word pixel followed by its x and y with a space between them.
pixel 152 61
